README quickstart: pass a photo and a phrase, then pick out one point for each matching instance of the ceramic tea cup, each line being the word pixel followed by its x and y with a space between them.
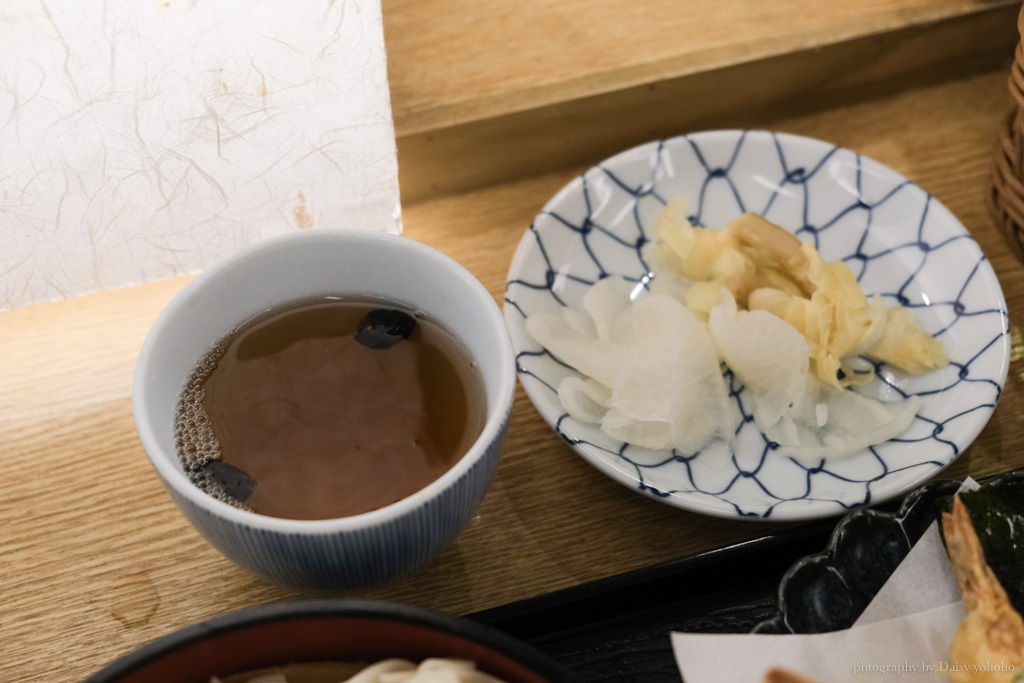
pixel 365 549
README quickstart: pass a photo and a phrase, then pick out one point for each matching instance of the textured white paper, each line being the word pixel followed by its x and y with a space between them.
pixel 912 648
pixel 142 139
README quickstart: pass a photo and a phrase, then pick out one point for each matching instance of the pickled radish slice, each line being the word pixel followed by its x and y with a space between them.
pixel 807 418
pixel 606 301
pixel 669 391
pixel 766 353
pixel 586 354
pixel 766 267
pixel 658 385
pixel 855 422
pixel 586 400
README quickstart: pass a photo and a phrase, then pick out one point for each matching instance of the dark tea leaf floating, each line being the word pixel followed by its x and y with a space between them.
pixel 383 328
pixel 236 483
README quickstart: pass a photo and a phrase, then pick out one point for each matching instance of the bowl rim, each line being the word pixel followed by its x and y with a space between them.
pixel 497 413
pixel 343 608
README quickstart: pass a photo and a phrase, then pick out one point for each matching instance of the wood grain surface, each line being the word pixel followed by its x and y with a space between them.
pixel 94 557
pixel 461 60
pixel 483 93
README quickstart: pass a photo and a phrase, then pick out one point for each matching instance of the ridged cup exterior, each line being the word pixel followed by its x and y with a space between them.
pixel 351 559
pixel 362 550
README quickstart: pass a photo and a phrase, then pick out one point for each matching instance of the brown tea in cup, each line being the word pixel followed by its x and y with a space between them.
pixel 328 408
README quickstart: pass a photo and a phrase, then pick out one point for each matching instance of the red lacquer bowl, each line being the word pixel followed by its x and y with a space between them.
pixel 340 630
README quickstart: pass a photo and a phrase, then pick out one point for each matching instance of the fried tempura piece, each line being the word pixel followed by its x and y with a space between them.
pixel 777 675
pixel 990 639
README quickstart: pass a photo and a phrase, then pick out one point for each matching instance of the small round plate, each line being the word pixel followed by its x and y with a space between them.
pixel 899 241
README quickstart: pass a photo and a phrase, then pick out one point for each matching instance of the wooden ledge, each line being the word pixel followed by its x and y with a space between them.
pixel 465 143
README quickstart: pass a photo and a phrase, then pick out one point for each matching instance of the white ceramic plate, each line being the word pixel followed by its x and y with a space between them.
pixel 901 243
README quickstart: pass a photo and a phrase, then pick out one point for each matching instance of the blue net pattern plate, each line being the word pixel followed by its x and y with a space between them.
pixel 899 241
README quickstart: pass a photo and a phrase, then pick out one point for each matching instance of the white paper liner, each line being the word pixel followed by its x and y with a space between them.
pixel 904 633
pixel 909 647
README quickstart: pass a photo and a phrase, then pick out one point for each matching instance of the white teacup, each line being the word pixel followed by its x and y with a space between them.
pixel 350 552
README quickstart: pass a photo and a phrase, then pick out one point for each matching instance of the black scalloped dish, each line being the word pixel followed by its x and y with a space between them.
pixel 827 591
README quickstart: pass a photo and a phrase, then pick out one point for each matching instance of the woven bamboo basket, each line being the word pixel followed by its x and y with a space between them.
pixel 1006 200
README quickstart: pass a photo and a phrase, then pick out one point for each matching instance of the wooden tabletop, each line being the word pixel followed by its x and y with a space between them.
pixel 94 557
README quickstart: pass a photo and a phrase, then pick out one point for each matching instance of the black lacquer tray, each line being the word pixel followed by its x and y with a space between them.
pixel 809 579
